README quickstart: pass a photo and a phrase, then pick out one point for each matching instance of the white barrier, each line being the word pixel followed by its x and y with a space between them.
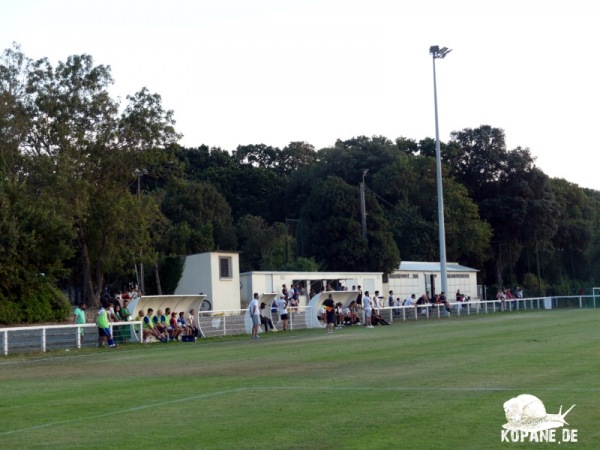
pixel 58 337
pixel 232 322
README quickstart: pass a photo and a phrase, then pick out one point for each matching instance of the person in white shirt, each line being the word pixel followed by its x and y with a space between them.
pixel 283 312
pixel 376 301
pixel 254 309
pixel 367 305
pixel 410 300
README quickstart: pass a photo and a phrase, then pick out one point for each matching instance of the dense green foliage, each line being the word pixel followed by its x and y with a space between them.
pixel 91 190
pixel 41 302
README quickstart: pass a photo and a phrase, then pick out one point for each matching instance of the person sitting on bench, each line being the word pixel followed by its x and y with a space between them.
pixel 266 321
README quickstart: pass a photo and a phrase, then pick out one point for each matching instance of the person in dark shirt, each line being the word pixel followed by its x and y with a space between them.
pixel 329 306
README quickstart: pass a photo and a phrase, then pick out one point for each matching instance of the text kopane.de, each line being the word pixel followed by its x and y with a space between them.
pixel 551 436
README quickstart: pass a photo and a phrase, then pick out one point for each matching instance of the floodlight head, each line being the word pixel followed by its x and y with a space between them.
pixel 438 52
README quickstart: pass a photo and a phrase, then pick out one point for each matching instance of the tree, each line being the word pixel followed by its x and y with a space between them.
pixel 296 156
pixel 481 158
pixel 332 217
pixel 511 192
pixel 349 159
pixel 35 240
pixel 263 246
pixel 80 149
pixel 202 216
pixel 409 188
pixel 251 190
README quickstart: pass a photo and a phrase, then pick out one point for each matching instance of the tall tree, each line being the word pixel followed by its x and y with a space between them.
pixel 200 212
pixel 83 151
pixel 511 192
pixel 333 220
pixel 410 192
pixel 263 246
pixel 296 156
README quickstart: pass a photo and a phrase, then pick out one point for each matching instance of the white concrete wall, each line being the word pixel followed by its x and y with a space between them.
pixel 405 287
pixel 201 273
pixel 225 291
pixel 264 282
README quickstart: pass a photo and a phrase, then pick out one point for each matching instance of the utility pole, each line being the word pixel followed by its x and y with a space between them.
pixel 363 206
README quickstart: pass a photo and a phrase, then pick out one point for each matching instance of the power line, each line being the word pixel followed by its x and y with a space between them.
pixel 415 219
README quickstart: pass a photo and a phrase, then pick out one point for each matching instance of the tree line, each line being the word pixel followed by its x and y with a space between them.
pixel 93 189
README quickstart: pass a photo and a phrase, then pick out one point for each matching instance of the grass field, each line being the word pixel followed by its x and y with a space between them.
pixel 426 384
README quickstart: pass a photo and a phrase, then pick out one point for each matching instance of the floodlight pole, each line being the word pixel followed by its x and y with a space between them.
pixel 363 206
pixel 436 53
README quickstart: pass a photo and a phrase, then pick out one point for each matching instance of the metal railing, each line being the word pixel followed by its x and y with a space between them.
pixel 234 322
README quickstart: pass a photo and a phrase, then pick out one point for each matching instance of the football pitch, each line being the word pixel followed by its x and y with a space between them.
pixel 425 384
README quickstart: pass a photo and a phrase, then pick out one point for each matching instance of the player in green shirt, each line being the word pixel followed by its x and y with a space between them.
pixel 79 316
pixel 104 329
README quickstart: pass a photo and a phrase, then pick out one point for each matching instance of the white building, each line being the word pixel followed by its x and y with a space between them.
pixel 419 277
pixel 214 274
pixel 265 281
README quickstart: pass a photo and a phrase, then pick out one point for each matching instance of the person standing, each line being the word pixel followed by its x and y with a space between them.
pixel 254 309
pixel 329 306
pixel 519 294
pixel 104 328
pixel 118 330
pixel 125 313
pixel 391 301
pixel 377 301
pixel 367 305
pixel 79 317
pixel 283 312
pixel 127 317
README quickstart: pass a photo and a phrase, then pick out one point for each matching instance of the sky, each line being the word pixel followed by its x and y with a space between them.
pixel 239 72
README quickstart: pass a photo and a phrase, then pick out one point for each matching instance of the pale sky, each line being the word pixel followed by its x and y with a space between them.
pixel 239 72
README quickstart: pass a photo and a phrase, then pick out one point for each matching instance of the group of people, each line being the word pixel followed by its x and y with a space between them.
pixel 426 301
pixel 507 295
pixel 109 312
pixel 167 326
pixel 371 305
pixel 363 310
pixel 280 305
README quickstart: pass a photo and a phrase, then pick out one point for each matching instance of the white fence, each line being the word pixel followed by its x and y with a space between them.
pixel 233 322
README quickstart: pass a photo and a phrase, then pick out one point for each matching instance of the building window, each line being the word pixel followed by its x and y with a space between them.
pixel 225 267
pixel 399 275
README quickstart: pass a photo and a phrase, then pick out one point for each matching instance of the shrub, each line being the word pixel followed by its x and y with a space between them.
pixel 10 312
pixel 45 304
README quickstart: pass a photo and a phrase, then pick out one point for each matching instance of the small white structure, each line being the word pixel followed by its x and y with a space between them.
pixel 177 303
pixel 315 308
pixel 419 277
pixel 214 274
pixel 265 281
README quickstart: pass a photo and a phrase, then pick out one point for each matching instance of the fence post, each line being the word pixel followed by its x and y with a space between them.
pixel 43 339
pixel 5 349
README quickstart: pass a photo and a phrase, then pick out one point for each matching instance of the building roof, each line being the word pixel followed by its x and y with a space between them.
pixel 416 266
pixel 315 275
